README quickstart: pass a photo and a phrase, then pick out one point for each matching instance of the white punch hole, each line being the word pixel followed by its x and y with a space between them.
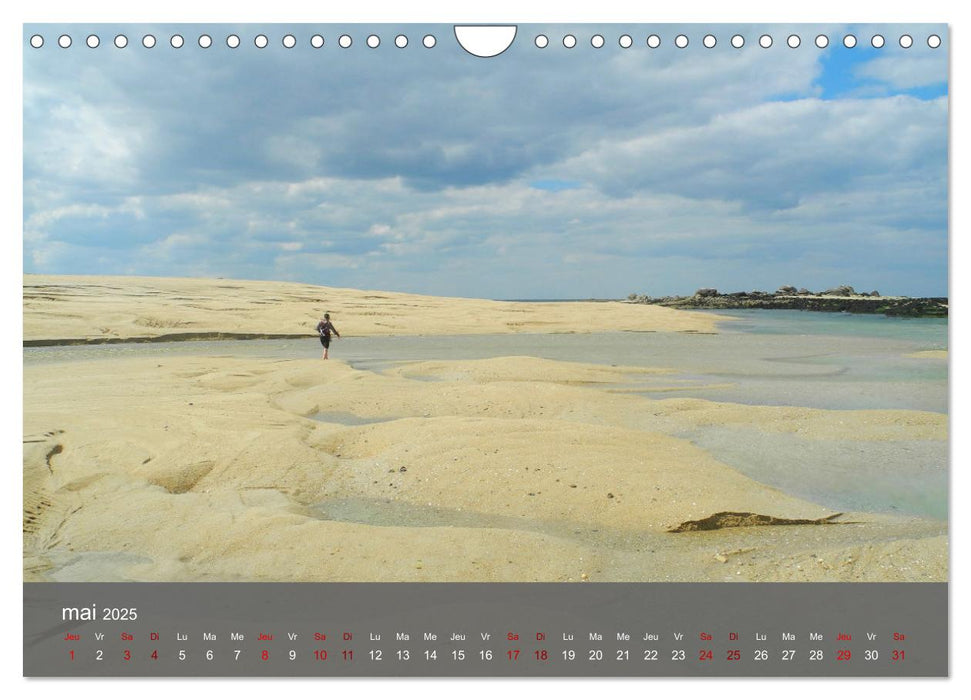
pixel 232 41
pixel 738 41
pixel 765 41
pixel 709 41
pixel 625 41
pixel 822 41
pixel 597 41
pixel 93 41
pixel 317 41
pixel 64 41
pixel 653 41
pixel 177 41
pixel 934 41
pixel 121 41
pixel 793 41
pixel 541 41
pixel 484 40
pixel 289 41
pixel 148 41
pixel 569 41
pixel 401 41
pixel 205 41
pixel 374 41
pixel 877 41
pixel 906 41
pixel 849 41
pixel 681 41
pixel 261 42
pixel 36 41
pixel 429 41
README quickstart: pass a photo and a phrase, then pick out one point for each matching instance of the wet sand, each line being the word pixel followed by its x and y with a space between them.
pixel 223 468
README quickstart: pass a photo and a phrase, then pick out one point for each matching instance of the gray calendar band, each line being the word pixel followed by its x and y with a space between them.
pixel 433 629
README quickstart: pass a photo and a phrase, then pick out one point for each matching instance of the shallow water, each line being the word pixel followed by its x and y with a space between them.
pixel 393 513
pixel 902 477
pixel 345 418
pixel 794 322
pixel 817 360
pixel 764 366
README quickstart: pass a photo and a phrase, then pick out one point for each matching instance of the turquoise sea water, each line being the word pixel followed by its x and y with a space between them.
pixel 930 331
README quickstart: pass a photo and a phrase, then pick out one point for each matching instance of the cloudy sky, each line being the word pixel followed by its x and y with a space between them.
pixel 540 173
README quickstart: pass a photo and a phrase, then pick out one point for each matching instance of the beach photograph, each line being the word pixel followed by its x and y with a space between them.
pixel 381 310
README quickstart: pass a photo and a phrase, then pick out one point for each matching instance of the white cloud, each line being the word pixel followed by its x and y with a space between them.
pixel 902 71
pixel 415 176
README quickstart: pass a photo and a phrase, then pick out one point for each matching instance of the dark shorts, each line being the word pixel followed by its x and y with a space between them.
pixel 325 341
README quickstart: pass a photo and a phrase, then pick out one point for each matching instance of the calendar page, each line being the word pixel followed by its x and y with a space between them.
pixel 458 350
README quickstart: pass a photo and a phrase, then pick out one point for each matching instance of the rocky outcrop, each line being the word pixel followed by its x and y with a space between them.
pixel 844 290
pixel 838 299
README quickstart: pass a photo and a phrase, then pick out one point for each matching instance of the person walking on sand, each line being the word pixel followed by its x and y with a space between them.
pixel 325 328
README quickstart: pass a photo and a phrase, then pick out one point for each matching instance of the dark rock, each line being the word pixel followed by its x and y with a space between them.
pixel 722 520
pixel 841 299
pixel 844 290
pixel 706 292
pixel 786 290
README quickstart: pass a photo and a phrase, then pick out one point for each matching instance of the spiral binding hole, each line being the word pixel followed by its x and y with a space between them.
pixel 541 41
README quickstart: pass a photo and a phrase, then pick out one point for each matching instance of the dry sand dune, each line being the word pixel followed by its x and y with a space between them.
pixel 92 309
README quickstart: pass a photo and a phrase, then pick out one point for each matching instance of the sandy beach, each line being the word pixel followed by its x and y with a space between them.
pixel 67 309
pixel 215 467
